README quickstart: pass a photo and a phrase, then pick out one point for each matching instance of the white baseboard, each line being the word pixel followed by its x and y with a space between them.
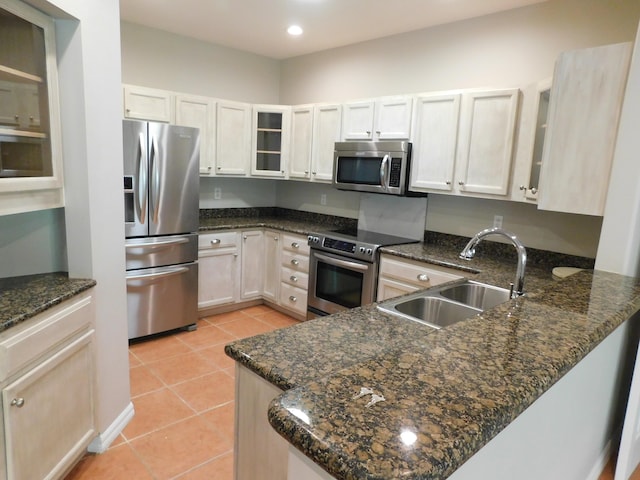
pixel 104 439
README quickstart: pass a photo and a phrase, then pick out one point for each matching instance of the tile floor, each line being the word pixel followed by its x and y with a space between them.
pixel 182 388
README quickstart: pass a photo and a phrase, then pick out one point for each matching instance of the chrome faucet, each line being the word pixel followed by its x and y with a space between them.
pixel 470 250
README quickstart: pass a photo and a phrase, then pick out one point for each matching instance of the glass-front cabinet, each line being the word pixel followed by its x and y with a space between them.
pixel 30 156
pixel 271 137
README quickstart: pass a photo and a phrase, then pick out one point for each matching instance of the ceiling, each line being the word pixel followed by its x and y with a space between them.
pixel 259 26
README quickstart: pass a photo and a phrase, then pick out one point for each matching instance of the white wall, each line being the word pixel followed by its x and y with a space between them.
pixel 32 243
pixel 237 192
pixel 88 44
pixel 306 196
pixel 172 62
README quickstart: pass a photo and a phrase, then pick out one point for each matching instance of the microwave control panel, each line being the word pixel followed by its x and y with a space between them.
pixel 394 172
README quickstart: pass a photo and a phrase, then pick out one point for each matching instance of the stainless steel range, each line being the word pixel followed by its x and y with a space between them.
pixel 343 269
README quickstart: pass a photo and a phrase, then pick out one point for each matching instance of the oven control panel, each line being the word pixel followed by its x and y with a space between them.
pixel 352 249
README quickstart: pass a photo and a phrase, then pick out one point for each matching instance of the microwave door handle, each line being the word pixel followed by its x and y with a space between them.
pixel 383 171
pixel 141 202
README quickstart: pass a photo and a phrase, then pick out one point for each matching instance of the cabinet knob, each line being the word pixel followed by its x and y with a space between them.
pixel 522 187
pixel 295 261
pixel 378 132
pixel 215 241
pixel 292 298
pixel 423 277
pixel 306 172
pixel 448 182
pixel 275 239
pixel 17 402
pixel 244 237
pixel 534 190
pixel 461 183
pixel 314 173
pixel 293 278
pixel 235 255
pixel 16 117
pixel 368 132
pixel 128 110
pixel 295 244
pixel 209 168
pixel 219 168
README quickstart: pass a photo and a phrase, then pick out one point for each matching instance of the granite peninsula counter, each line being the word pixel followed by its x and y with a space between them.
pixel 453 390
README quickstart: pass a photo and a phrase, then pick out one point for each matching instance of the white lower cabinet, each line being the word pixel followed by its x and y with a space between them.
pixel 251 278
pixel 399 276
pixel 218 269
pixel 259 451
pixel 271 285
pixel 48 394
pixel 294 273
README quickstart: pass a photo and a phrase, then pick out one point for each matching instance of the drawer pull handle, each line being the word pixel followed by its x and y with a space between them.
pixel 17 402
pixel 293 278
pixel 295 244
pixel 423 277
pixel 215 241
pixel 292 298
pixel 295 261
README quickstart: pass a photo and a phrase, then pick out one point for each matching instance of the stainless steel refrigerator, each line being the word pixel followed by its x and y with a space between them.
pixel 161 186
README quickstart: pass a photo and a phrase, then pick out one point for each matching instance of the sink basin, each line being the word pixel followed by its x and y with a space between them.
pixel 477 295
pixel 442 306
pixel 433 311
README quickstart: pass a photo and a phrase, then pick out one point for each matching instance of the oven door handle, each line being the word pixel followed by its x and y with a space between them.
pixel 342 263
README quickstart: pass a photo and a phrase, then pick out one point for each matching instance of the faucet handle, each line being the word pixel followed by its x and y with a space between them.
pixel 468 253
pixel 511 287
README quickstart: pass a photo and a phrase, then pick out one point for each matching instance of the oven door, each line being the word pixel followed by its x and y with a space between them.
pixel 338 283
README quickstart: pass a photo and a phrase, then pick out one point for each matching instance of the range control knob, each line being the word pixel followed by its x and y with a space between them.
pixel 361 249
pixel 312 239
pixel 369 251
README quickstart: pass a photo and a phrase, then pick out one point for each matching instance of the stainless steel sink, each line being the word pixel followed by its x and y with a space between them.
pixel 477 295
pixel 442 306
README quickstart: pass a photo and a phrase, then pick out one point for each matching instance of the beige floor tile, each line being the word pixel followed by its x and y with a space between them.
pixel 177 448
pixel 220 468
pixel 246 327
pixel 222 418
pixel 217 356
pixel 181 368
pixel 209 391
pixel 225 317
pixel 156 410
pixel 159 348
pixel 206 337
pixel 119 463
pixel 142 381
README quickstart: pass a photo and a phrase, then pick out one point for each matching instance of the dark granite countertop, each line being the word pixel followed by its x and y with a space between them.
pixel 454 388
pixel 24 297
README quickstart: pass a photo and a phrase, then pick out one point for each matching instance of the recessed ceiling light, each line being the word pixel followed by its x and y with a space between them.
pixel 294 30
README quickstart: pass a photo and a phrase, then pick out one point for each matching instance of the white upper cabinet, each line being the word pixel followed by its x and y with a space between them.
pixel 233 138
pixel 151 104
pixel 435 141
pixel 30 130
pixel 388 118
pixel 584 110
pixel 301 141
pixel 270 140
pixel 327 123
pixel 199 112
pixel 485 147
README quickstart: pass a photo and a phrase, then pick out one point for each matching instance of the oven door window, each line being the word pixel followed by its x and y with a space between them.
pixel 339 285
pixel 359 170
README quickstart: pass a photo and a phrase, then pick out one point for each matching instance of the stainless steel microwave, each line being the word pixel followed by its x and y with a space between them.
pixel 376 167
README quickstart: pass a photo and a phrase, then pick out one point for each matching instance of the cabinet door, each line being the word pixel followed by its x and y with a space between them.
pixel 327 123
pixel 252 264
pixel 48 413
pixel 388 288
pixel 584 110
pixel 486 141
pixel 270 140
pixel 233 137
pixel 144 103
pixel 199 112
pixel 301 141
pixel 435 142
pixel 393 118
pixel 357 120
pixel 271 265
pixel 218 273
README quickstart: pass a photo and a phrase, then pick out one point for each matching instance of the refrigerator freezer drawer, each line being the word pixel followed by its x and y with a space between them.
pixel 158 251
pixel 162 299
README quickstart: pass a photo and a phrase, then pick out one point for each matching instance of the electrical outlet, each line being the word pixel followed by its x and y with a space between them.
pixel 497 221
pixel 323 199
pixel 217 193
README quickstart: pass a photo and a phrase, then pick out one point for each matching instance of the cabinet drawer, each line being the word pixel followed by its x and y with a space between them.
pixel 293 298
pixel 24 343
pixel 415 273
pixel 295 278
pixel 295 243
pixel 295 261
pixel 218 240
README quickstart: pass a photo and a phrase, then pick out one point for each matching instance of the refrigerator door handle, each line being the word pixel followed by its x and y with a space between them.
pixel 150 277
pixel 157 244
pixel 141 200
pixel 155 179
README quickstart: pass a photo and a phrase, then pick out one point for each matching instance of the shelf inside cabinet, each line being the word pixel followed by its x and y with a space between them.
pixel 13 75
pixel 22 133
